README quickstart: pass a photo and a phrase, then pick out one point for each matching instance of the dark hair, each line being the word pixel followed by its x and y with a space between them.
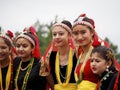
pixel 29 34
pixel 67 23
pixel 106 53
pixel 7 42
pixel 89 20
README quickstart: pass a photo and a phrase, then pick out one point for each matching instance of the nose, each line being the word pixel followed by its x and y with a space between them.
pixel 80 36
pixel 20 48
pixel 57 35
pixel 93 63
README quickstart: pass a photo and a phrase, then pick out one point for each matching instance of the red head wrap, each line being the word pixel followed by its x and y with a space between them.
pixel 37 47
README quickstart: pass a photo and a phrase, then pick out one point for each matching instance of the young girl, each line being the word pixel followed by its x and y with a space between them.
pixel 85 39
pixel 102 63
pixel 6 61
pixel 26 65
pixel 63 60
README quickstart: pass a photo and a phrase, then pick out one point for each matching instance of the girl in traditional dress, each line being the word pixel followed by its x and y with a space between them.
pixel 102 63
pixel 26 65
pixel 62 60
pixel 85 39
pixel 6 61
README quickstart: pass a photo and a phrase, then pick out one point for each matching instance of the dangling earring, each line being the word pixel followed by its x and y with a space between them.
pixel 32 53
pixel 107 68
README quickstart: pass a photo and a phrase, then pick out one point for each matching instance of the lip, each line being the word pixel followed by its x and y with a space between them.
pixel 94 69
pixel 57 41
pixel 21 53
pixel 80 41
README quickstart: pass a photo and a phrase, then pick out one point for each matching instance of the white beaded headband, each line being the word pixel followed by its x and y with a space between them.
pixel 6 37
pixel 62 25
pixel 26 37
pixel 80 21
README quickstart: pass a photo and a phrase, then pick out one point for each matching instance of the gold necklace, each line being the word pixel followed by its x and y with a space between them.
pixel 8 76
pixel 68 71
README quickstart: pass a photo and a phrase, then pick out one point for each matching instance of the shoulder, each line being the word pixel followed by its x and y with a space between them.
pixel 36 63
pixel 16 61
pixel 53 55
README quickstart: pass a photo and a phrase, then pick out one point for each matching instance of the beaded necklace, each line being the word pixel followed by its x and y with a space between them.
pixel 68 71
pixel 8 76
pixel 104 78
pixel 26 75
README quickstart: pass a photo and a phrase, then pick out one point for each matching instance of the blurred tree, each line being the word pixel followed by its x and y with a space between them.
pixel 114 48
pixel 44 34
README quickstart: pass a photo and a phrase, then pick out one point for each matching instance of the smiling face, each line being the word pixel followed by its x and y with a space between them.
pixel 98 63
pixel 60 36
pixel 24 48
pixel 82 35
pixel 4 50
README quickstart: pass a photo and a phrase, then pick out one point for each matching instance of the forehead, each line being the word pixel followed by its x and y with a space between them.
pixel 1 40
pixel 59 29
pixel 22 40
pixel 96 55
pixel 80 27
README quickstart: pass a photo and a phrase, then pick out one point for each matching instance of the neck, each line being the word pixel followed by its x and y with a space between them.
pixel 64 50
pixel 25 59
pixel 5 63
pixel 86 48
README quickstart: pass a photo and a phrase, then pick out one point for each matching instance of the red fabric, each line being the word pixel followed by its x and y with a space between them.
pixel 97 41
pixel 48 87
pixel 71 41
pixel 117 64
pixel 37 46
pixel 88 74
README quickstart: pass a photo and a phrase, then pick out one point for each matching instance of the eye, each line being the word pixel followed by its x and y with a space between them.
pixel 97 60
pixel 61 33
pixel 75 33
pixel 91 60
pixel 3 47
pixel 25 45
pixel 17 45
pixel 83 32
pixel 54 34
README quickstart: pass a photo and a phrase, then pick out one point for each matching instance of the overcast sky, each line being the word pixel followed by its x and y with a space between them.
pixel 17 14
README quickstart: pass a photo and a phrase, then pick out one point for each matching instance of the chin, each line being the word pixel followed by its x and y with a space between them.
pixel 95 72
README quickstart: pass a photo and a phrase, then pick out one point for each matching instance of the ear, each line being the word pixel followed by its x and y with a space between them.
pixel 109 63
pixel 92 32
pixel 32 49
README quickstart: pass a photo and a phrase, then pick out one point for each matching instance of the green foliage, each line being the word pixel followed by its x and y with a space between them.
pixel 114 48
